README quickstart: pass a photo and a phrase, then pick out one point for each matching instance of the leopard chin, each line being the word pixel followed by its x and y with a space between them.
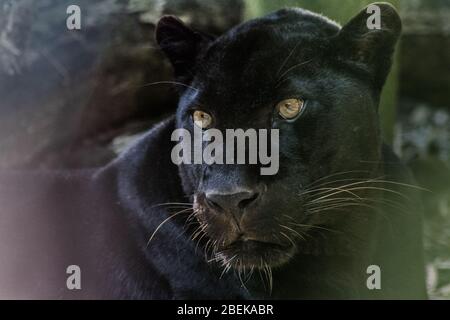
pixel 254 254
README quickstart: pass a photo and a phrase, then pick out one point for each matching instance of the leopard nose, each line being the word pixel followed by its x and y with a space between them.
pixel 231 201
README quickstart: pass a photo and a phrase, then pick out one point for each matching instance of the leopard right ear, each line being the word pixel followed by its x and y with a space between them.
pixel 371 49
pixel 180 44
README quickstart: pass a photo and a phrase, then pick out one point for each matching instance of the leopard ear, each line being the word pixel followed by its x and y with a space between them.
pixel 368 40
pixel 180 44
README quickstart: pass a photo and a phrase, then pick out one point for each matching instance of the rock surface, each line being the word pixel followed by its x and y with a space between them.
pixel 65 94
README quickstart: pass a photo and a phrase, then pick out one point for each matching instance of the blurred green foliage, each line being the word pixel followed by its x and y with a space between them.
pixel 341 12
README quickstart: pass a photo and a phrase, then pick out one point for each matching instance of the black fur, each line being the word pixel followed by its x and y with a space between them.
pixel 102 219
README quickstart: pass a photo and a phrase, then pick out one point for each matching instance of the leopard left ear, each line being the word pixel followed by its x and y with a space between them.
pixel 181 44
pixel 368 40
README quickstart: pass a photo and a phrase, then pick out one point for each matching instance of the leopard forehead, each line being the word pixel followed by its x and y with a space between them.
pixel 259 48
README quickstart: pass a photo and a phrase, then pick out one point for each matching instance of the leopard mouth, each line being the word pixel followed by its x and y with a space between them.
pixel 241 249
pixel 256 254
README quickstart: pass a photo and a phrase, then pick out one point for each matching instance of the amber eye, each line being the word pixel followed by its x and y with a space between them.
pixel 290 108
pixel 202 119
